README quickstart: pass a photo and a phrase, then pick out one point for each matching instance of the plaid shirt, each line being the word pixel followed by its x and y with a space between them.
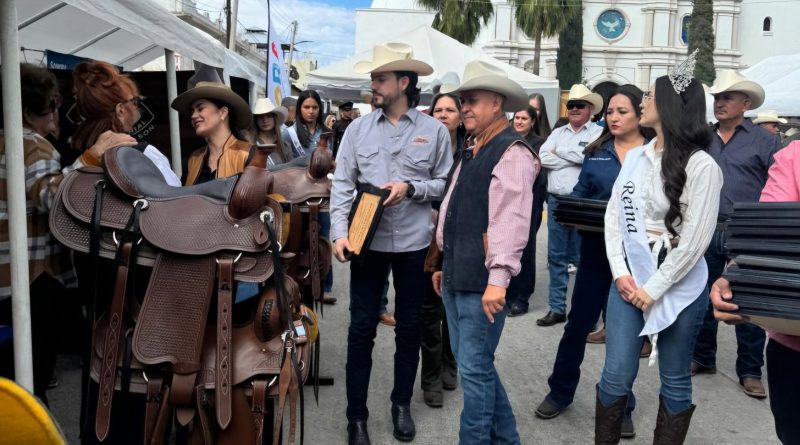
pixel 42 177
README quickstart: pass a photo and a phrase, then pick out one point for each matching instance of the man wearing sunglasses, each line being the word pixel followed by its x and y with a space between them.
pixel 562 156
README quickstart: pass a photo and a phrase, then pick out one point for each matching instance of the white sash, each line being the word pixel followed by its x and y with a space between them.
pixel 642 259
pixel 298 147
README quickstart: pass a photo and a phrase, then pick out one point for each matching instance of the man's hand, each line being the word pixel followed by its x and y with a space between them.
pixel 437 283
pixel 721 296
pixel 641 299
pixel 626 287
pixel 109 139
pixel 397 193
pixel 494 298
pixel 342 246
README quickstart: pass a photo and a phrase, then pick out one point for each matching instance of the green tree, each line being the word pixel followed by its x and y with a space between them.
pixel 701 37
pixel 460 19
pixel 544 18
pixel 569 61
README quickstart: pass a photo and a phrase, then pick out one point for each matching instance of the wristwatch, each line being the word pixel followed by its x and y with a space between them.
pixel 411 190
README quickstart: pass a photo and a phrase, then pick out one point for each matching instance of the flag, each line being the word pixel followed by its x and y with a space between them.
pixel 277 75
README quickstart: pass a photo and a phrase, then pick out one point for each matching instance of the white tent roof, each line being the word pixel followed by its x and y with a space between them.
pixel 444 54
pixel 780 77
pixel 128 33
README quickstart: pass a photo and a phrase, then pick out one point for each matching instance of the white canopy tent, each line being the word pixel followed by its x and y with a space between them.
pixel 780 78
pixel 444 54
pixel 127 33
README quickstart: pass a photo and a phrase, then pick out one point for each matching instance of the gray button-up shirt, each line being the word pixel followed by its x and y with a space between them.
pixel 745 161
pixel 373 151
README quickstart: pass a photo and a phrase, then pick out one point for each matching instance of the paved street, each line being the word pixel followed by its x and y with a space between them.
pixel 524 360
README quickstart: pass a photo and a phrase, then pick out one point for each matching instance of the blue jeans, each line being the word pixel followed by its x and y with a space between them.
pixel 367 278
pixel 675 345
pixel 487 417
pixel 750 339
pixel 562 248
pixel 588 298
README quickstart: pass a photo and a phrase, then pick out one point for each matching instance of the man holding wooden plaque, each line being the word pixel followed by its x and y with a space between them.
pixel 396 159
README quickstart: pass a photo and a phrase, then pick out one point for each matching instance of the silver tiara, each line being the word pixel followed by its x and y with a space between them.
pixel 681 75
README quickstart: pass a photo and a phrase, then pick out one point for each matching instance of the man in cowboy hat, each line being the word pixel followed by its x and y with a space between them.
pixel 562 156
pixel 346 116
pixel 483 228
pixel 769 121
pixel 744 152
pixel 408 154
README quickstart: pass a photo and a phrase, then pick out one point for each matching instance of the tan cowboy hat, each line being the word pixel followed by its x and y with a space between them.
pixel 265 106
pixel 393 57
pixel 579 91
pixel 217 91
pixel 479 75
pixel 768 116
pixel 731 80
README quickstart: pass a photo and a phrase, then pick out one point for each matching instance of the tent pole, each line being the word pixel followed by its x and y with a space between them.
pixel 174 123
pixel 15 180
pixel 253 94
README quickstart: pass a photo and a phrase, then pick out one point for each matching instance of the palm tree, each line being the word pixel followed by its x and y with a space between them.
pixel 460 19
pixel 544 18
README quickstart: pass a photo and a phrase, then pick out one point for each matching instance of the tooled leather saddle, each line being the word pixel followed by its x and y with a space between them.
pixel 198 367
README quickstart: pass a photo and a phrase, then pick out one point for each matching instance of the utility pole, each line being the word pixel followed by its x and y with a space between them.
pixel 291 48
pixel 231 12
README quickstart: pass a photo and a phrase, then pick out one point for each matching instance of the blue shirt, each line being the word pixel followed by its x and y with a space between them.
pixel 745 161
pixel 600 170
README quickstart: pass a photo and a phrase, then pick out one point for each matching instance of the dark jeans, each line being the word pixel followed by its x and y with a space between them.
pixel 589 295
pixel 522 286
pixel 367 277
pixel 783 369
pixel 437 356
pixel 750 338
pixel 47 298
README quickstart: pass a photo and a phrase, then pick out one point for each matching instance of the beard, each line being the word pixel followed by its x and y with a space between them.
pixel 386 102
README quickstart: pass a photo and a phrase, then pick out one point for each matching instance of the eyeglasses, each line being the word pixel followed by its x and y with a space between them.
pixel 576 105
pixel 136 100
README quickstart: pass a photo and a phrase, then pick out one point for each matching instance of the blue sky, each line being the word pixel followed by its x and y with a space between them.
pixel 328 26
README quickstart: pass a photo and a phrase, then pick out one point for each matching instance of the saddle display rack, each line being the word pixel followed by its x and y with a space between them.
pixel 303 186
pixel 192 374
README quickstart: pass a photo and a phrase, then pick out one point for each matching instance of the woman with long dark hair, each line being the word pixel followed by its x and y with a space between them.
pixel 267 121
pixel 308 124
pixel 659 221
pixel 604 159
pixel 439 370
pixel 543 122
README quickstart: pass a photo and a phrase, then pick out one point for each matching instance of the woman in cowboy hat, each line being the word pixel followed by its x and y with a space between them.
pixel 218 115
pixel 267 121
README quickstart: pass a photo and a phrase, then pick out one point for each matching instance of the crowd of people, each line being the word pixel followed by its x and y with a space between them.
pixel 466 182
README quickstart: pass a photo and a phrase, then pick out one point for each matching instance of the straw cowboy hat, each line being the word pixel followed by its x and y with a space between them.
pixel 579 91
pixel 217 91
pixel 449 78
pixel 393 57
pixel 792 131
pixel 768 116
pixel 730 80
pixel 480 75
pixel 265 106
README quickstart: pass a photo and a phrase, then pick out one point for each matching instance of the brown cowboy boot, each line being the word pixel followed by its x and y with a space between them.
pixel 608 421
pixel 671 428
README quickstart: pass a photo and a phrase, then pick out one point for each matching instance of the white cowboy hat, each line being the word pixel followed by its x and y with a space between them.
pixel 579 91
pixel 792 131
pixel 392 57
pixel 731 80
pixel 217 91
pixel 768 116
pixel 480 75
pixel 265 106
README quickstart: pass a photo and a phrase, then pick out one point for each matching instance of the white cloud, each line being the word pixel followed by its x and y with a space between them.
pixel 329 29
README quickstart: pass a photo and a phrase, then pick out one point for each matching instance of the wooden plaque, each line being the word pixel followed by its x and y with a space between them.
pixel 364 219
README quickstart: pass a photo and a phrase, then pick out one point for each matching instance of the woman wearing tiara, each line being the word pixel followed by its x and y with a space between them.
pixel 660 219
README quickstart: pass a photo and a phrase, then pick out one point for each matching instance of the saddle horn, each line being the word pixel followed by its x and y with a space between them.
pixel 321 162
pixel 253 186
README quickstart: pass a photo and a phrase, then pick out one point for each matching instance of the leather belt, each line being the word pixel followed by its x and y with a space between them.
pixel 224 366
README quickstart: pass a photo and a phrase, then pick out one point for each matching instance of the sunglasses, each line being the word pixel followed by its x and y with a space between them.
pixel 576 105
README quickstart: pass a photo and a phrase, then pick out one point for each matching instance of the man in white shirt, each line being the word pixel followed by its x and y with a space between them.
pixel 562 155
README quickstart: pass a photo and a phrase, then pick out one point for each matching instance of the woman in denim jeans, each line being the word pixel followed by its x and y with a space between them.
pixel 659 222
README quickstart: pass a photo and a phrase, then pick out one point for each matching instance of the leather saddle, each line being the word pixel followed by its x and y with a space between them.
pixel 198 242
pixel 305 185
